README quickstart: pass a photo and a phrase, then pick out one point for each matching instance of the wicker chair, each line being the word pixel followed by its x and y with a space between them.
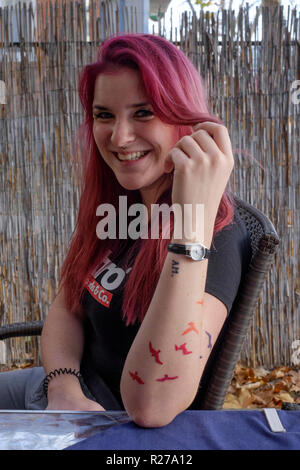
pixel 225 354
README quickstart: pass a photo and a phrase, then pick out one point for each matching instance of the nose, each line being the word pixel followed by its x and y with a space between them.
pixel 123 133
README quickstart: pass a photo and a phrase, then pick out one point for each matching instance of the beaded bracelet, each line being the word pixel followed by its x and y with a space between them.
pixel 56 372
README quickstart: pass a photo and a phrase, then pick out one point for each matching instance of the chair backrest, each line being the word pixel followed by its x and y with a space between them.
pixel 220 367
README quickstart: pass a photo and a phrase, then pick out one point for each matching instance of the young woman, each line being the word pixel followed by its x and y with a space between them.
pixel 138 318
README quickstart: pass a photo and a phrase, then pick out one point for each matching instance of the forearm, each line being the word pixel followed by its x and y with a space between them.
pixel 62 346
pixel 175 309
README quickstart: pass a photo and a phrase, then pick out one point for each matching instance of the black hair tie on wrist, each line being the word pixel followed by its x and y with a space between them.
pixel 56 372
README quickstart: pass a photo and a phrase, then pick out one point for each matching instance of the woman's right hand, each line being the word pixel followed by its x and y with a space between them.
pixel 65 393
pixel 65 402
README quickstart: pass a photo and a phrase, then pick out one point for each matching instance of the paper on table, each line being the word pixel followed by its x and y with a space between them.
pixel 52 430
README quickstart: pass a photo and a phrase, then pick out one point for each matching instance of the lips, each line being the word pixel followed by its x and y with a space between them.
pixel 130 157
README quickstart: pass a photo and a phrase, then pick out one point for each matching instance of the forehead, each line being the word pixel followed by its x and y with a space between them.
pixel 123 85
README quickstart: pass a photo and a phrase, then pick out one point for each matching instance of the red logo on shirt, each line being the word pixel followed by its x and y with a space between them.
pixel 102 295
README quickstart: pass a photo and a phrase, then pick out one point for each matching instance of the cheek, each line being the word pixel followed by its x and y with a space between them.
pixel 164 137
pixel 99 135
pixel 170 136
pixel 95 133
pixel 170 140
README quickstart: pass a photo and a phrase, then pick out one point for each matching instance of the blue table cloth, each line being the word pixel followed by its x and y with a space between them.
pixel 202 430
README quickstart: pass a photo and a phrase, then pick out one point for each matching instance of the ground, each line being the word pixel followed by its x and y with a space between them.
pixel 261 388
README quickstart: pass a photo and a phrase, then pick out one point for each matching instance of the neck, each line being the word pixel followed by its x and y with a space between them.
pixel 151 194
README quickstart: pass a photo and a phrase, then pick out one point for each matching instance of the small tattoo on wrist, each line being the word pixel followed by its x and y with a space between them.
pixel 175 267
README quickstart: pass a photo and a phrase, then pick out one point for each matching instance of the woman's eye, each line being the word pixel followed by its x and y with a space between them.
pixel 102 116
pixel 144 113
pixel 141 113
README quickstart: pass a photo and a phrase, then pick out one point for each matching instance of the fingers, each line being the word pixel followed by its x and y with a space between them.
pixel 208 140
pixel 185 148
pixel 176 159
pixel 191 146
pixel 218 133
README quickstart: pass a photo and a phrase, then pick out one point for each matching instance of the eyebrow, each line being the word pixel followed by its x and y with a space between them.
pixel 136 105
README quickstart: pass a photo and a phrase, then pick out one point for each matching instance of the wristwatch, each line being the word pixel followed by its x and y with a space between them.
pixel 196 251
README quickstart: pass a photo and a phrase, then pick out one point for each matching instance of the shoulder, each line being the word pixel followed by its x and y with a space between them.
pixel 233 239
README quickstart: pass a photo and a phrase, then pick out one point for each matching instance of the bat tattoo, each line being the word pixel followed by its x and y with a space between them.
pixel 155 353
pixel 166 377
pixel 136 377
pixel 209 340
pixel 182 347
pixel 175 267
pixel 191 328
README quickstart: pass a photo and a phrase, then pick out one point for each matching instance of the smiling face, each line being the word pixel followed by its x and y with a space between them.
pixel 125 127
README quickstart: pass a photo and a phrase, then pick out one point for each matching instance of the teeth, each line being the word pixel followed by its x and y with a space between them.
pixel 131 156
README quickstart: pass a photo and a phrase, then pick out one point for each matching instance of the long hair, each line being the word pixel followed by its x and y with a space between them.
pixel 175 90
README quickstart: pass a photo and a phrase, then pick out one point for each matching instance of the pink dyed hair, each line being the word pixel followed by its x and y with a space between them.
pixel 176 92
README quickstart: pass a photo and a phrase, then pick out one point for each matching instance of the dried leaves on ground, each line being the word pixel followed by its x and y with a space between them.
pixel 262 388
pixel 25 365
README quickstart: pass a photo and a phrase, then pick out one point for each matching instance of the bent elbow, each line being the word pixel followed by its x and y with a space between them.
pixel 150 419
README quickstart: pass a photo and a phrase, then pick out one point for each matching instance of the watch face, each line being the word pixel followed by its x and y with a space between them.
pixel 197 253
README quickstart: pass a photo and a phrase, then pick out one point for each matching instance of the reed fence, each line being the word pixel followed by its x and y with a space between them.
pixel 252 86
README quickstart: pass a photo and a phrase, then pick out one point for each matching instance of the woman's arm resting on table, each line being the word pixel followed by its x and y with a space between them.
pixel 163 368
pixel 182 332
pixel 62 347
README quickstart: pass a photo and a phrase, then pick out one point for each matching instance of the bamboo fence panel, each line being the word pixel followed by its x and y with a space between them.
pixel 249 87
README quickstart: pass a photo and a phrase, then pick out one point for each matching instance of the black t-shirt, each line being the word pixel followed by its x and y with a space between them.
pixel 108 339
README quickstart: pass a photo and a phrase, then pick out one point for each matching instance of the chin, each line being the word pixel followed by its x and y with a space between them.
pixel 160 184
pixel 130 185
